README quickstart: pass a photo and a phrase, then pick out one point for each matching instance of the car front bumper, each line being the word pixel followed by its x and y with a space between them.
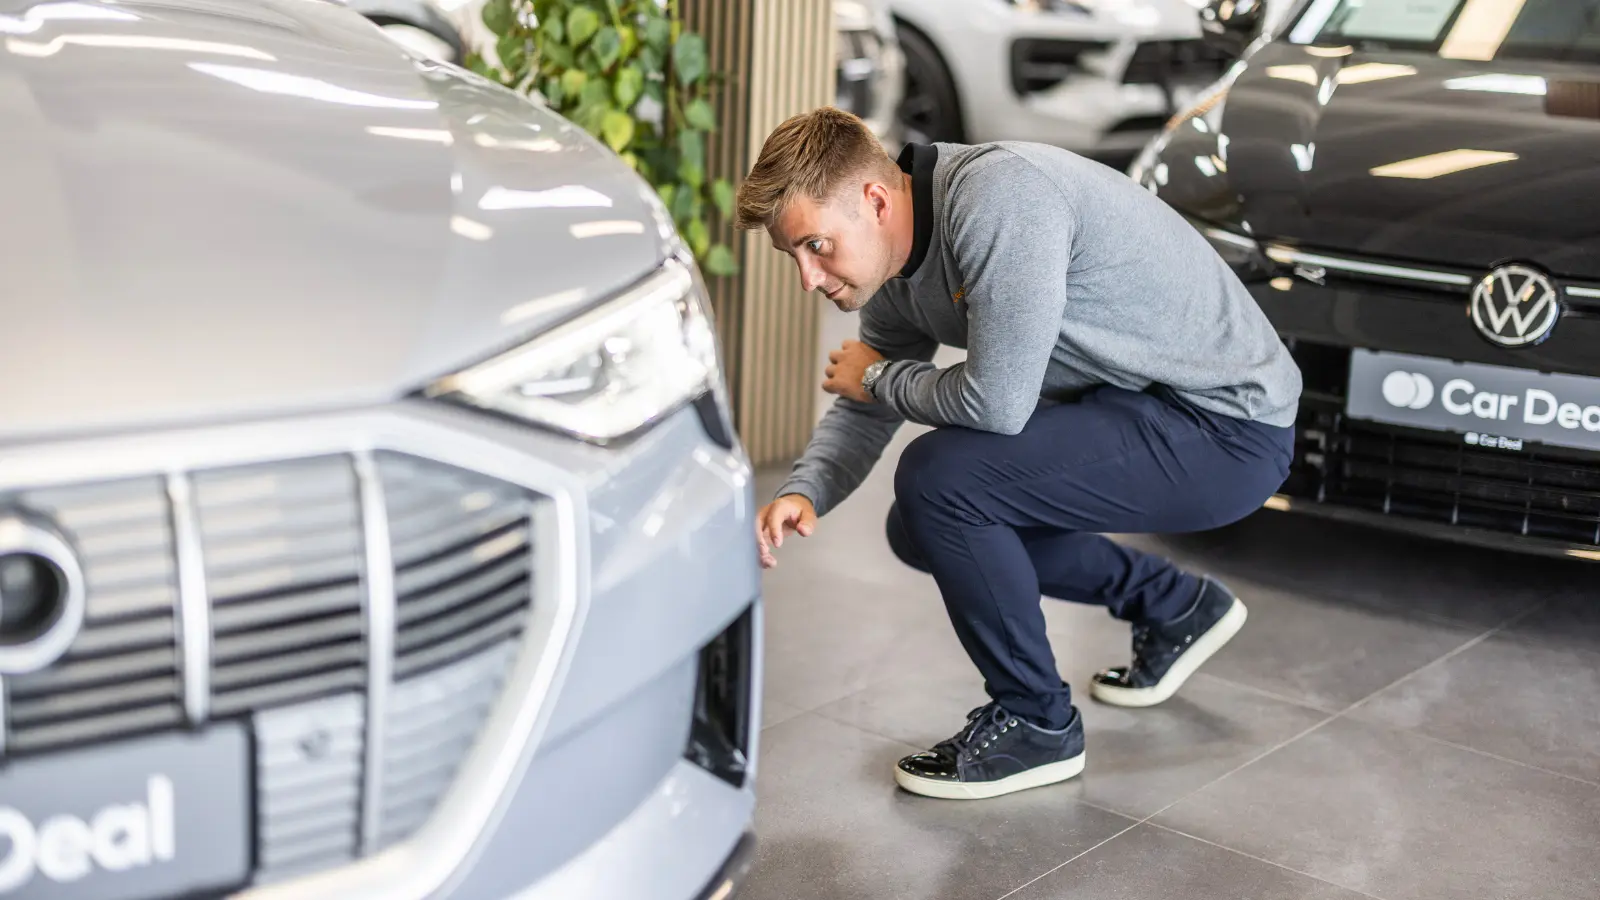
pixel 1539 498
pixel 581 773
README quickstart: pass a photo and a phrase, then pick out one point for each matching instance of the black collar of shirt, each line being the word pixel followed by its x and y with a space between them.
pixel 919 160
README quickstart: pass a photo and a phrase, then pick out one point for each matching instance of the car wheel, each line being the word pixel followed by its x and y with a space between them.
pixel 930 109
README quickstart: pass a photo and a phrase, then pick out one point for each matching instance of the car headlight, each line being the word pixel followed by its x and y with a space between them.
pixel 611 371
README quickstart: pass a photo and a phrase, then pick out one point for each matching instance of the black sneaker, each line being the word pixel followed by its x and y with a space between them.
pixel 996 753
pixel 1165 654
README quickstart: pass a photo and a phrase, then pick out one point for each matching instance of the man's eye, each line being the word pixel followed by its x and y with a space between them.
pixel 814 246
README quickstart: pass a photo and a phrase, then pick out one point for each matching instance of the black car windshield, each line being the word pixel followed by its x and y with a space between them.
pixel 1457 29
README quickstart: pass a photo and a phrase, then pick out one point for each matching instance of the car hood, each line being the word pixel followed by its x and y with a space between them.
pixel 1503 158
pixel 229 209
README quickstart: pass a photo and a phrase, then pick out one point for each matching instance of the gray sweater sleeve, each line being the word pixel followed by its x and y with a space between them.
pixel 852 435
pixel 1011 236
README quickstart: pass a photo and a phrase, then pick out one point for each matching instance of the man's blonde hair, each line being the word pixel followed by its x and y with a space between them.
pixel 813 155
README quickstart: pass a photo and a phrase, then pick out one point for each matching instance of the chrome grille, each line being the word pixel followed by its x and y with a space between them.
pixel 257 592
pixel 121 676
pixel 283 558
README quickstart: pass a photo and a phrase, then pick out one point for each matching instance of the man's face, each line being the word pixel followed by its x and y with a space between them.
pixel 842 246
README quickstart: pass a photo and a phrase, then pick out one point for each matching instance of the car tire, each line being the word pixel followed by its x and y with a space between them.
pixel 930 108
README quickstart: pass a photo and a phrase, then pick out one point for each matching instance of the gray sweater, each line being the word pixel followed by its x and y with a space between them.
pixel 1056 274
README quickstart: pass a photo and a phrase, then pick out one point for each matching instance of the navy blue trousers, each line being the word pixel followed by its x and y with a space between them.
pixel 999 520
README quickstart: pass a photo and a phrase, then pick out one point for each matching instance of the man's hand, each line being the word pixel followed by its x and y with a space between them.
pixel 848 365
pixel 791 512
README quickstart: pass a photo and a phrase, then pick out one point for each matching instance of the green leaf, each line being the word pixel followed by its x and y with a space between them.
pixel 682 204
pixel 617 127
pixel 689 59
pixel 608 47
pixel 513 50
pixel 658 34
pixel 699 237
pixel 666 192
pixel 573 81
pixel 720 261
pixel 630 40
pixel 553 30
pixel 701 116
pixel 691 158
pixel 596 92
pixel 652 59
pixel 722 193
pixel 498 17
pixel 553 92
pixel 630 84
pixel 655 90
pixel 560 56
pixel 582 23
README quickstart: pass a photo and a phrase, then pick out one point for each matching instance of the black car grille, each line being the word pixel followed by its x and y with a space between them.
pixel 1039 64
pixel 285 561
pixel 1540 492
pixel 1175 62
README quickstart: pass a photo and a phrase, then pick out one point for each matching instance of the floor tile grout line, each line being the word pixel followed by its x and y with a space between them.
pixel 1242 766
pixel 1503 626
pixel 1069 862
pixel 1413 732
pixel 1271 695
pixel 1262 859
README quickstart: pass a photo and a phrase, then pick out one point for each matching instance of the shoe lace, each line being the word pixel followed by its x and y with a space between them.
pixel 984 724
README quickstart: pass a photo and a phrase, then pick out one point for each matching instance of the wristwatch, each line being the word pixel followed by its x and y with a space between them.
pixel 873 373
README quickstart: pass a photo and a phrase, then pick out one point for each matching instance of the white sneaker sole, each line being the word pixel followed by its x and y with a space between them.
pixel 1040 776
pixel 1186 665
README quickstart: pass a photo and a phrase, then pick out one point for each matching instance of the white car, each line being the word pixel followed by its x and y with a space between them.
pixel 1099 77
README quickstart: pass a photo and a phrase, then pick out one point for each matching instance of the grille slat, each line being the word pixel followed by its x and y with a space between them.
pixel 422 608
pixel 1543 492
pixel 464 619
pixel 122 697
pixel 276 571
pixel 503 547
pixel 93 728
pixel 456 648
pixel 245 616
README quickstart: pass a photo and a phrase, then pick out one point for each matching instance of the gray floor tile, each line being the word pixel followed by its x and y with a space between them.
pixel 1571 621
pixel 1396 815
pixel 1151 863
pixel 833 826
pixel 1327 653
pixel 776 712
pixel 1138 760
pixel 1375 568
pixel 1522 699
pixel 830 637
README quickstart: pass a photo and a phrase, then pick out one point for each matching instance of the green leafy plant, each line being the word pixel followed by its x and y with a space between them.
pixel 629 73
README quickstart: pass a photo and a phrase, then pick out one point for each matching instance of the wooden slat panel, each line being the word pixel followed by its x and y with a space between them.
pixel 778 56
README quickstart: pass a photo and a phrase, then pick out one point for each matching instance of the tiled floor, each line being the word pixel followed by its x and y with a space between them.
pixel 1399 719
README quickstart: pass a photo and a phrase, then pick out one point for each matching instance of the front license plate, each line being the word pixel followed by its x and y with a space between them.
pixel 165 816
pixel 1489 405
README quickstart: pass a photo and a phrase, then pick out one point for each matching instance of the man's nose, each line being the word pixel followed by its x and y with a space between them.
pixel 810 276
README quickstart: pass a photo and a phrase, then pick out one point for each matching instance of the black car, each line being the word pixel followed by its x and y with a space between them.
pixel 1411 189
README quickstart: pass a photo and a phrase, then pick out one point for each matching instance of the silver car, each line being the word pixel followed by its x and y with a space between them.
pixel 371 524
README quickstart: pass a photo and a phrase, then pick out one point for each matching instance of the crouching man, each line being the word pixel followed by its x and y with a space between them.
pixel 1119 378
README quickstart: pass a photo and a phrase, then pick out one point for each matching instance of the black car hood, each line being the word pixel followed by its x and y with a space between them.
pixel 1304 129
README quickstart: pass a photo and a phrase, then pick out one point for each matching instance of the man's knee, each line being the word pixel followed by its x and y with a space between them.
pixel 930 467
pixel 900 541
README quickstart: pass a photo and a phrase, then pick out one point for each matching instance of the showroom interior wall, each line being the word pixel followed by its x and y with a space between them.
pixel 778 56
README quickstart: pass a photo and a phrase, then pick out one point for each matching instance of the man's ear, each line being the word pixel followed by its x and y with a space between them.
pixel 878 200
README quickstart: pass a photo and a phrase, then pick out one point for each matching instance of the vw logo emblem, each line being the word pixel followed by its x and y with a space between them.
pixel 1515 306
pixel 42 597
